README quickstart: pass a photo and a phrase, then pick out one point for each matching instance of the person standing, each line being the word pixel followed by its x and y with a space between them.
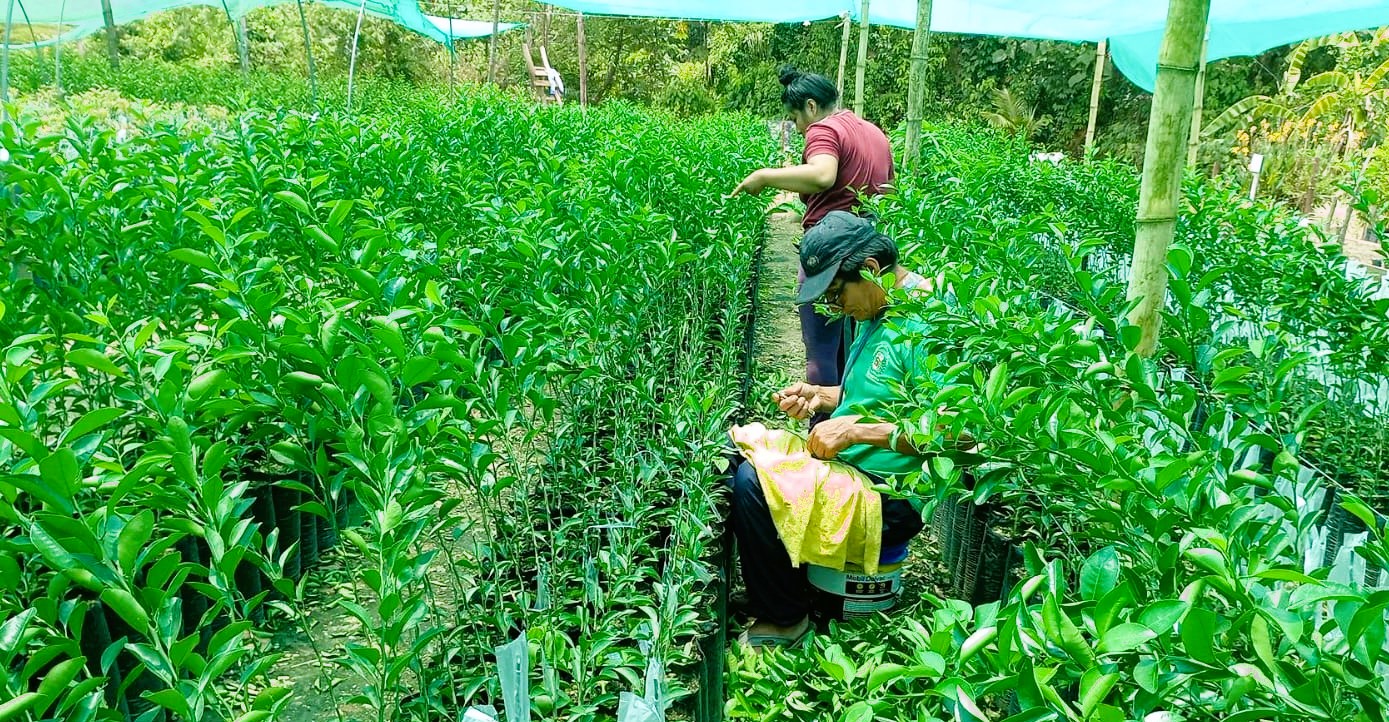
pixel 845 157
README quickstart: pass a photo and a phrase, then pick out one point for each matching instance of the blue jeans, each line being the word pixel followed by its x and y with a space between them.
pixel 826 343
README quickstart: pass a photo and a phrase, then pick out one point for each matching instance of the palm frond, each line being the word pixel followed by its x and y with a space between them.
pixel 1330 79
pixel 1242 110
pixel 1298 56
pixel 1320 107
pixel 1377 75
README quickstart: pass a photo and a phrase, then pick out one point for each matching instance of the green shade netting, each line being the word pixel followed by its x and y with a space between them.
pixel 1134 28
pixel 80 18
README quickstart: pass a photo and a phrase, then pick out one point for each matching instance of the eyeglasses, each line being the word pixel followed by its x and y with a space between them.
pixel 831 296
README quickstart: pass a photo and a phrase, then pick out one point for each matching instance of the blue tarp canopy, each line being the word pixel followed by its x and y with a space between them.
pixel 80 18
pixel 1134 27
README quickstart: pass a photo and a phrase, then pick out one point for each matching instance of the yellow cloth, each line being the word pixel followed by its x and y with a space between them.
pixel 826 512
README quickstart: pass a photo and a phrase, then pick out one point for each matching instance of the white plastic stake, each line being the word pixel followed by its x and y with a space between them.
pixel 1256 166
pixel 513 669
pixel 485 713
pixel 631 708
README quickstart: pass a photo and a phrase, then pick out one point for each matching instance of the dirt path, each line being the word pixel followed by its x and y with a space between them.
pixel 778 355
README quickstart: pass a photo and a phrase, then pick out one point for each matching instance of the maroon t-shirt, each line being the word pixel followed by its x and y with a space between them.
pixel 865 163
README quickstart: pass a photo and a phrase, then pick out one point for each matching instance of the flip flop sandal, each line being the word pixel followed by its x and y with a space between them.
pixel 759 641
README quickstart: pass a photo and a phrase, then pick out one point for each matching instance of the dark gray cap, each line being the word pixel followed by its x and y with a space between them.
pixel 825 246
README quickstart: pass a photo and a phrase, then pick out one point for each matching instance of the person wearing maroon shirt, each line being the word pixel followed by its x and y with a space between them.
pixel 845 157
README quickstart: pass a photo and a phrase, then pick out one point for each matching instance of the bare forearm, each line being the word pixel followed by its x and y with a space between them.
pixel 881 435
pixel 804 178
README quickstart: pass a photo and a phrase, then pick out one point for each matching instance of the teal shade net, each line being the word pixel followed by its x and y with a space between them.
pixel 80 18
pixel 1134 27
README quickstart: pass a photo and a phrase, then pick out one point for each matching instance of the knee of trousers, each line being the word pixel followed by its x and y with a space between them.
pixel 747 489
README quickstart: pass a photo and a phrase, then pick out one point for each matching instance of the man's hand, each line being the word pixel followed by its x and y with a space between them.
pixel 832 436
pixel 799 400
pixel 753 185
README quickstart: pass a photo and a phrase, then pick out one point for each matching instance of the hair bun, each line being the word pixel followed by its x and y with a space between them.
pixel 789 74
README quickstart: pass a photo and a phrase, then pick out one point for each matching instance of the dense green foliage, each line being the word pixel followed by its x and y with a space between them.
pixel 512 336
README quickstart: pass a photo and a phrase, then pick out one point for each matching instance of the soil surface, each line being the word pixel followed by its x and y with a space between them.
pixel 778 355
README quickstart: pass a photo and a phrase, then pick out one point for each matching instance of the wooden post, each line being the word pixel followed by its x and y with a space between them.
pixel 862 58
pixel 1193 142
pixel 1101 55
pixel 844 52
pixel 308 53
pixel 583 60
pixel 492 42
pixel 916 91
pixel 113 41
pixel 352 64
pixel 1178 62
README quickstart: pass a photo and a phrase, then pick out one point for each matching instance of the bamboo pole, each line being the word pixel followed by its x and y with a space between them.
pixel 916 91
pixel 308 53
pixel 452 50
pixel 1162 164
pixel 1101 55
pixel 5 65
pixel 492 42
pixel 113 47
pixel 583 59
pixel 58 50
pixel 1193 142
pixel 844 52
pixel 862 58
pixel 352 63
pixel 243 51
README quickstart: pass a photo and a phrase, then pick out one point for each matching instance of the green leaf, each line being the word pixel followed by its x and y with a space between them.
pixel 860 712
pixel 1198 635
pixel 195 258
pixel 1064 633
pixel 1099 574
pixel 1287 575
pixel 418 370
pixel 1094 687
pixel 205 383
pixel 91 421
pixel 56 681
pixel 998 380
pixel 93 359
pixel 172 700
pixel 61 470
pixel 18 708
pixel 133 539
pixel 127 607
pixel 1162 615
pixel 1145 674
pixel 1124 638
pixel 13 630
pixel 295 201
pixel 1110 606
pixel 884 674
pixel 976 642
pixel 1208 559
pixel 39 489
